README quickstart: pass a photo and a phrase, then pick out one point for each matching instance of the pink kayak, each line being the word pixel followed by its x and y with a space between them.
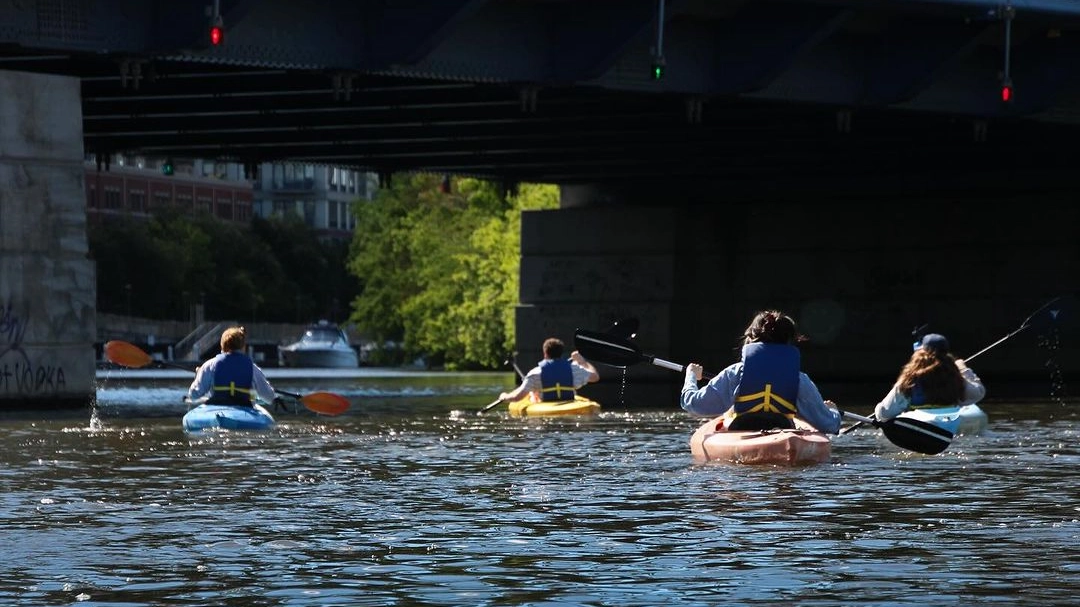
pixel 797 447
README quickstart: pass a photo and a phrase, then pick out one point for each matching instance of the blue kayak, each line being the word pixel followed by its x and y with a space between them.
pixel 227 417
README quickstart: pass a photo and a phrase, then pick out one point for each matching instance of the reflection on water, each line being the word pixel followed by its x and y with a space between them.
pixel 413 499
pixel 160 393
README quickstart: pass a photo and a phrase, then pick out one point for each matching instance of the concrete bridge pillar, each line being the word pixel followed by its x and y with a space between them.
pixel 47 281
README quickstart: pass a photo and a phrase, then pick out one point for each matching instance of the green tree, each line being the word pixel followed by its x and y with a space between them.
pixel 171 260
pixel 440 270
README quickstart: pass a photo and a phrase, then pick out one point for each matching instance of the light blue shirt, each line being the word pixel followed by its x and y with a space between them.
pixel 717 396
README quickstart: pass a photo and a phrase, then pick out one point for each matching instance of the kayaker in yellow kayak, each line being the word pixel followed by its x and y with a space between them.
pixel 932 377
pixel 554 378
pixel 766 388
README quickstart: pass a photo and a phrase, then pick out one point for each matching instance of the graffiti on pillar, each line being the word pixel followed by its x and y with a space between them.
pixel 18 374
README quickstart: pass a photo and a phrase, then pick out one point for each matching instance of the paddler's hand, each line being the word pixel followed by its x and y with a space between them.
pixel 694 370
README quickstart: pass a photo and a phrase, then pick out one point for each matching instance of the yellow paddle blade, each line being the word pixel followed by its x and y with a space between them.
pixel 326 403
pixel 126 355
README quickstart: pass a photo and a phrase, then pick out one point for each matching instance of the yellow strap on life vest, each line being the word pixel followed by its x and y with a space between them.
pixel 232 389
pixel 558 390
pixel 767 405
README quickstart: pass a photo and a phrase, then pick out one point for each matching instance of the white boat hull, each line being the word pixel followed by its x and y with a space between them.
pixel 320 358
pixel 323 345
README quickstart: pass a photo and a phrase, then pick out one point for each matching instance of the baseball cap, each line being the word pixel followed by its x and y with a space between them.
pixel 933 341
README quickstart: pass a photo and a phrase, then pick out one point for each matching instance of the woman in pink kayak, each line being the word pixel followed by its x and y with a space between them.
pixel 766 388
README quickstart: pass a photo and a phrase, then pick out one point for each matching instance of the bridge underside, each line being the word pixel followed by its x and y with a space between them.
pixel 562 91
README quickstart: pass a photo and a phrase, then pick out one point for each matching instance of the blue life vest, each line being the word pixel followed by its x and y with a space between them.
pixel 918 397
pixel 556 380
pixel 233 378
pixel 769 390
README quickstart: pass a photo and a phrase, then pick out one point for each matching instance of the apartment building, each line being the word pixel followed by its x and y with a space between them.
pixel 322 196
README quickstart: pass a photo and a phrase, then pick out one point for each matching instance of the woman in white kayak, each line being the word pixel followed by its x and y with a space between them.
pixel 931 378
pixel 766 388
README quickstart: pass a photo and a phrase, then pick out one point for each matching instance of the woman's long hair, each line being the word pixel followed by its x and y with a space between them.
pixel 936 373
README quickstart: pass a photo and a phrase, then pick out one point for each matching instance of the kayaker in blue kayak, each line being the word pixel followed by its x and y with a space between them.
pixel 766 388
pixel 554 379
pixel 231 377
pixel 931 378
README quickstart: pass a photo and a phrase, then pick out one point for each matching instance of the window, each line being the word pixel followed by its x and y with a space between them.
pixel 333 211
pixel 137 201
pixel 161 199
pixel 112 197
pixel 184 201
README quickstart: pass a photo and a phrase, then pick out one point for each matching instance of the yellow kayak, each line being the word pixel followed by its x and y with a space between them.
pixel 579 406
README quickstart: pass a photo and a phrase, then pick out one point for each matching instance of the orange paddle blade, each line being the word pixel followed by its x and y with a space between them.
pixel 126 355
pixel 326 403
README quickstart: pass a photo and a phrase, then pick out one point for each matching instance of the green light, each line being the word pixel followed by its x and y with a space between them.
pixel 658 66
pixel 167 167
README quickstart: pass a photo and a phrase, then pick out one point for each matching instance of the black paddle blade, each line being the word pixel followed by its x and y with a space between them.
pixel 606 349
pixel 916 435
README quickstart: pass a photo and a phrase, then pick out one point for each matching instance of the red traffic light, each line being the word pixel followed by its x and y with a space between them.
pixel 1006 94
pixel 217 35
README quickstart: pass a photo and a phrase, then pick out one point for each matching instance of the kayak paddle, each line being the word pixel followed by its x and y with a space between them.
pixel 615 351
pixel 1052 313
pixel 489 407
pixel 912 434
pixel 129 355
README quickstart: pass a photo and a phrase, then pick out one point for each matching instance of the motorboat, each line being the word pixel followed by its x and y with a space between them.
pixel 323 345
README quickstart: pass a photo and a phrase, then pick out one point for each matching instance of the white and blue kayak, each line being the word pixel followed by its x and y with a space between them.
pixel 227 417
pixel 968 419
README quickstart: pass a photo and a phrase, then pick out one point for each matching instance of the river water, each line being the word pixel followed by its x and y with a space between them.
pixel 412 498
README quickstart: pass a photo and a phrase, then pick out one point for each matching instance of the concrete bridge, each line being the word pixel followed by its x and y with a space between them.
pixel 850 162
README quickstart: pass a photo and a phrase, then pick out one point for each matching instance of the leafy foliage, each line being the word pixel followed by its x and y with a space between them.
pixel 440 270
pixel 276 271
pixel 427 274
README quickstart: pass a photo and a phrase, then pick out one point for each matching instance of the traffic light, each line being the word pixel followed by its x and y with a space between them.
pixel 1006 91
pixel 217 32
pixel 167 167
pixel 658 66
